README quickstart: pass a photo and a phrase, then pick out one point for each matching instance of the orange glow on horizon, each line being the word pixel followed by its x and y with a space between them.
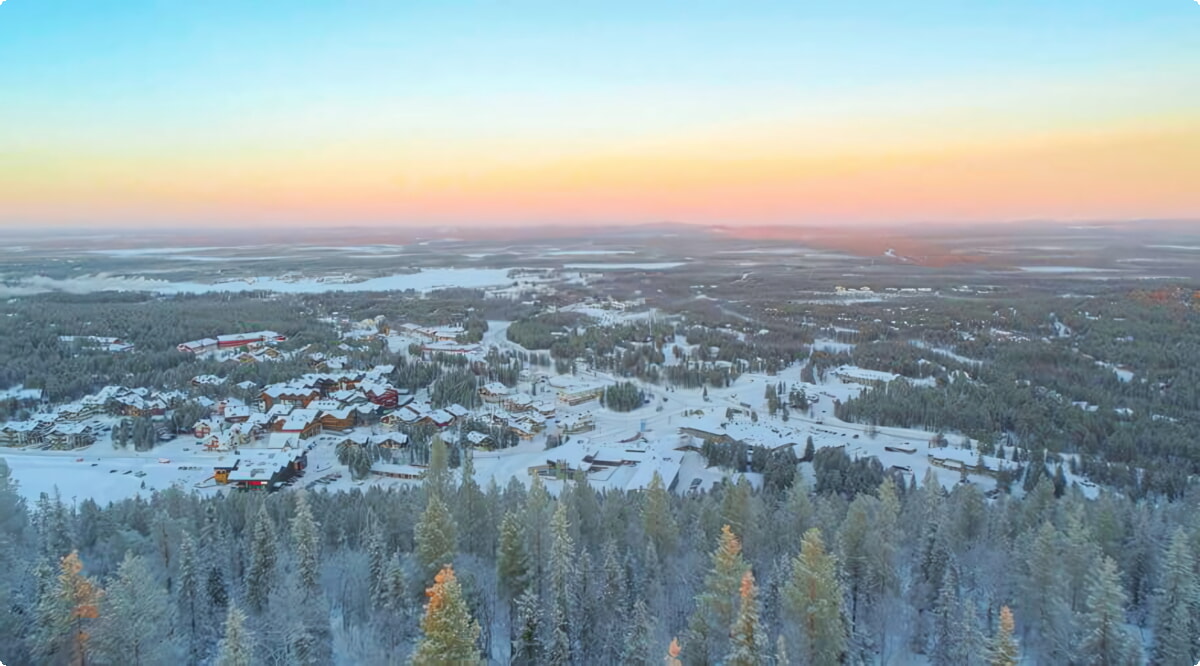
pixel 1131 171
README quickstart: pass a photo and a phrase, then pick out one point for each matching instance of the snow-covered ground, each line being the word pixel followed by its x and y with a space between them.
pixel 650 434
pixel 650 266
pixel 425 280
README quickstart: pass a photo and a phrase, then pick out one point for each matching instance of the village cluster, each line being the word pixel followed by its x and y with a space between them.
pixel 550 423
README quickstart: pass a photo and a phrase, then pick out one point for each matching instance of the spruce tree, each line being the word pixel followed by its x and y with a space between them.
pixel 260 577
pixel 135 622
pixel 1106 641
pixel 435 537
pixel 471 510
pixel 512 563
pixel 1177 606
pixel 812 603
pixel 237 645
pixel 1046 594
pixel 638 637
pixel 189 595
pixel 708 628
pixel 305 540
pixel 377 559
pixel 747 637
pixel 527 629
pixel 561 588
pixel 657 519
pixel 448 632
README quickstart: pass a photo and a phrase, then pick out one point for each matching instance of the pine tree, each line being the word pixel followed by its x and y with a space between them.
pixel 708 627
pixel 471 510
pixel 66 613
pixel 657 519
pixel 449 633
pixel 812 602
pixel 1106 641
pixel 527 645
pixel 561 588
pixel 639 635
pixel 536 517
pixel 237 645
pixel 189 598
pixel 1002 650
pixel 1046 593
pixel 1177 606
pixel 305 541
pixel 377 560
pixel 261 575
pixel 512 564
pixel 948 647
pixel 437 475
pixel 748 639
pixel 435 537
pixel 135 622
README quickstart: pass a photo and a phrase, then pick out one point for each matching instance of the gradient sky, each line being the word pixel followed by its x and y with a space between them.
pixel 158 112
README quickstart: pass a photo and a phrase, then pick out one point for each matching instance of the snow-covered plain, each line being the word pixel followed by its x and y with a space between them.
pixel 425 280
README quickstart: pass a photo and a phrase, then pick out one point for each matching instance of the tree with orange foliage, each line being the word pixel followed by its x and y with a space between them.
pixel 449 632
pixel 1003 648
pixel 749 640
pixel 66 612
pixel 673 653
pixel 708 627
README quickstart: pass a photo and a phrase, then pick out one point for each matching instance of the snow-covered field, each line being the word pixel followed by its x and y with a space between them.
pixel 650 266
pixel 425 280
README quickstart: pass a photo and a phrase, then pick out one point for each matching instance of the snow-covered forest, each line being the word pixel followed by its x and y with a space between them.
pixel 898 575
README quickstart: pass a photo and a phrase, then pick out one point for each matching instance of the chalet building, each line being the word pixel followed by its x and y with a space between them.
pixel 23 433
pixel 458 411
pixel 248 339
pixel 381 394
pixel 449 347
pixel 439 417
pixel 521 402
pixel 407 415
pixel 579 395
pixel 406 472
pixel 304 423
pixel 863 376
pixel 493 392
pixel 70 436
pixel 389 440
pixel 263 469
pixel 202 429
pixel 546 409
pixel 391 421
pixel 340 419
pixel 236 413
pixel 201 346
pixel 522 429
pixel 136 406
pixel 480 440
pixel 288 395
pixel 205 345
pixel 573 424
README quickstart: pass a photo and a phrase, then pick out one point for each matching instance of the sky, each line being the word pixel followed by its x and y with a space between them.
pixel 396 113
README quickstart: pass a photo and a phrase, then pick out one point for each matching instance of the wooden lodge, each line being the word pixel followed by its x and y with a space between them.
pixel 262 469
